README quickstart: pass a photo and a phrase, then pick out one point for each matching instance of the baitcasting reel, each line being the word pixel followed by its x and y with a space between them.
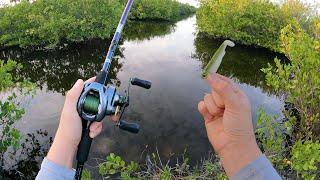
pixel 98 101
pixel 95 103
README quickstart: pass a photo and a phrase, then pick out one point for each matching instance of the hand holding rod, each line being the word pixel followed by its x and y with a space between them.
pixel 83 148
pixel 102 98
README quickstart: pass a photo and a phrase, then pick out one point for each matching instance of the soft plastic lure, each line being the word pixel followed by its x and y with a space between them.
pixel 214 63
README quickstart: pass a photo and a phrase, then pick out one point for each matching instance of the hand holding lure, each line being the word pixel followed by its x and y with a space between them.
pixel 215 62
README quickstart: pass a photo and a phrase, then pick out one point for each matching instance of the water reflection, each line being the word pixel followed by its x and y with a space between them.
pixel 24 162
pixel 138 30
pixel 59 69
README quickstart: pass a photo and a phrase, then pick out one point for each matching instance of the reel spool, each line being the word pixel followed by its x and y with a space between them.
pixel 97 102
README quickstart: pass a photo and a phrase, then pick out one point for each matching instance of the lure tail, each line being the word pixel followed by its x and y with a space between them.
pixel 215 62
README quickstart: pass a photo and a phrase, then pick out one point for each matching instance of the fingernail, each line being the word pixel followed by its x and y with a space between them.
pixel 91 134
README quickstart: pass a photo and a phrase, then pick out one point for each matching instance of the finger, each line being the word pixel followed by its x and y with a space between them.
pixel 211 105
pixel 224 89
pixel 204 111
pixel 95 125
pixel 95 133
pixel 225 78
pixel 235 87
pixel 114 118
pixel 74 93
pixel 217 99
pixel 90 80
pixel 95 129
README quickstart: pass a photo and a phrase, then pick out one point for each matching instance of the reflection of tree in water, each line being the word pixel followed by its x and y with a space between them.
pixel 25 162
pixel 242 62
pixel 138 30
pixel 59 69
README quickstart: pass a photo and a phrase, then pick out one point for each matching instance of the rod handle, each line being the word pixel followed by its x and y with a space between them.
pixel 85 144
pixel 130 127
pixel 141 83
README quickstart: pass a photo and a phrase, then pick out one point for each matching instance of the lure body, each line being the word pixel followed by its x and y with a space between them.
pixel 215 62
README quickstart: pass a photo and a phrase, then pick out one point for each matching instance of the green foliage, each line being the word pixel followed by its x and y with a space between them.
pixel 114 165
pixel 10 112
pixel 211 167
pixel 6 80
pixel 166 173
pixel 271 136
pixel 10 136
pixel 299 81
pixel 48 23
pixel 249 21
pixel 86 175
pixel 295 143
pixel 168 10
pixel 303 156
pixel 306 158
pixel 252 22
pixel 297 10
pixel 316 25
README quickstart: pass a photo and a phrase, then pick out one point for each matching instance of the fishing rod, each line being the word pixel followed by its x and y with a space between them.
pixel 99 100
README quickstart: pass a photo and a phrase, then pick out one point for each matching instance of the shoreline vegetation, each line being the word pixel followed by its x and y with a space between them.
pixel 47 24
pixel 253 22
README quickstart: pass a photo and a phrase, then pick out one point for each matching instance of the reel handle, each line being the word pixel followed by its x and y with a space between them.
pixel 141 83
pixel 130 127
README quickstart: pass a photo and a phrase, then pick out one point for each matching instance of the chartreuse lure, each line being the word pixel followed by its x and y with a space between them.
pixel 214 63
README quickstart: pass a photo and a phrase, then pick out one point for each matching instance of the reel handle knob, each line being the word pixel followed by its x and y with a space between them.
pixel 130 127
pixel 141 83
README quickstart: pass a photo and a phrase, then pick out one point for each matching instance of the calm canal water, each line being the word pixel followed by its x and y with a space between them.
pixel 169 55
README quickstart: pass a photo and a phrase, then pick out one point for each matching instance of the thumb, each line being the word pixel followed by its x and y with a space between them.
pixel 74 93
pixel 225 89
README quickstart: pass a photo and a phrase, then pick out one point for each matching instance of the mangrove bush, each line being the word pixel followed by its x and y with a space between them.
pixel 48 23
pixel 293 143
pixel 251 22
pixel 168 10
pixel 10 110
